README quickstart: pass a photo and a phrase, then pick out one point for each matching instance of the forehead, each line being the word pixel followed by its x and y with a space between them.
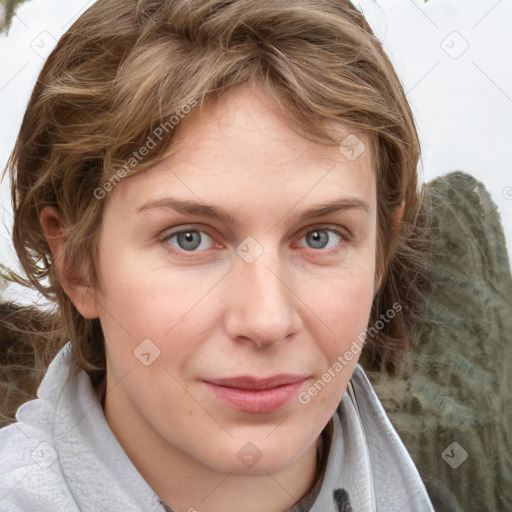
pixel 240 151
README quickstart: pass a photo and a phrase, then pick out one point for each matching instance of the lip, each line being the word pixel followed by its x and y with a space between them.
pixel 257 395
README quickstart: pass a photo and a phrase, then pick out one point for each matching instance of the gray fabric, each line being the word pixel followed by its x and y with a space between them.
pixel 61 456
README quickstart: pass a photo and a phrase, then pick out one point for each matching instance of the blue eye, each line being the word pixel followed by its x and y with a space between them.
pixel 322 238
pixel 189 240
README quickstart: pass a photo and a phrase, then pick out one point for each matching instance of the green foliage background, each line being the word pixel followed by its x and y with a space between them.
pixel 7 12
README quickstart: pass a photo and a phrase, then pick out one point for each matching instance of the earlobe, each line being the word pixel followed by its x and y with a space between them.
pixel 71 278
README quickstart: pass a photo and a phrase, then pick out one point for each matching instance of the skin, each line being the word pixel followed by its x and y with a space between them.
pixel 294 310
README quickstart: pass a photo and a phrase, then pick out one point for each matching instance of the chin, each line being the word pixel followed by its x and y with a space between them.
pixel 260 455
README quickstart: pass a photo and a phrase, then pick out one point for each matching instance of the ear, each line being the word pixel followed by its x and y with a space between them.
pixel 396 222
pixel 71 279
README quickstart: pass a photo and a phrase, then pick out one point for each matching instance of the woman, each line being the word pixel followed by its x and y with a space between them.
pixel 217 196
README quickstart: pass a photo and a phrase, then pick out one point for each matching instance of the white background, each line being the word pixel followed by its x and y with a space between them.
pixel 453 58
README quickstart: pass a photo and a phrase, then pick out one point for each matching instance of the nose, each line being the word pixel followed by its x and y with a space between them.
pixel 263 306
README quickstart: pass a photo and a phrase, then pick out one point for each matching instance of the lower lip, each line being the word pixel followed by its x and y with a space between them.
pixel 258 401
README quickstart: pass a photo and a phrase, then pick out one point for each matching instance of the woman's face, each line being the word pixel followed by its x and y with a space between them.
pixel 233 276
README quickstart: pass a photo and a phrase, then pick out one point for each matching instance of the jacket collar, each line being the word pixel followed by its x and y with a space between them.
pixel 368 468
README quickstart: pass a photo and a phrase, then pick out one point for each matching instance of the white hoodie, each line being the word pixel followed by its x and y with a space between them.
pixel 61 456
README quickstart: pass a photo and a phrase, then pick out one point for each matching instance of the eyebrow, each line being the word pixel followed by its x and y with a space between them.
pixel 215 212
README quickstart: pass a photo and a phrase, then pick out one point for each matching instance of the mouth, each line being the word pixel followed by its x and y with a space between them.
pixel 256 395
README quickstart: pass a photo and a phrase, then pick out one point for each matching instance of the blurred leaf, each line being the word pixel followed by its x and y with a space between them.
pixel 7 12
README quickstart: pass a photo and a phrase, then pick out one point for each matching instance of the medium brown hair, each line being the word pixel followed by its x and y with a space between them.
pixel 125 67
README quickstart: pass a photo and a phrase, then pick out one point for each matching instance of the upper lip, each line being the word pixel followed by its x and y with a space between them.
pixel 257 383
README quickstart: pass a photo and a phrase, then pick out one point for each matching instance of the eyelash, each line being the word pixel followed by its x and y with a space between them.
pixel 342 233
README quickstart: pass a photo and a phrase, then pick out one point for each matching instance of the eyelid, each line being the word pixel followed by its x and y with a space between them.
pixel 339 230
pixel 183 228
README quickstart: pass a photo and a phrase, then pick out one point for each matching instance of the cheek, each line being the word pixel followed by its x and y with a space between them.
pixel 170 308
pixel 343 305
pixel 338 332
